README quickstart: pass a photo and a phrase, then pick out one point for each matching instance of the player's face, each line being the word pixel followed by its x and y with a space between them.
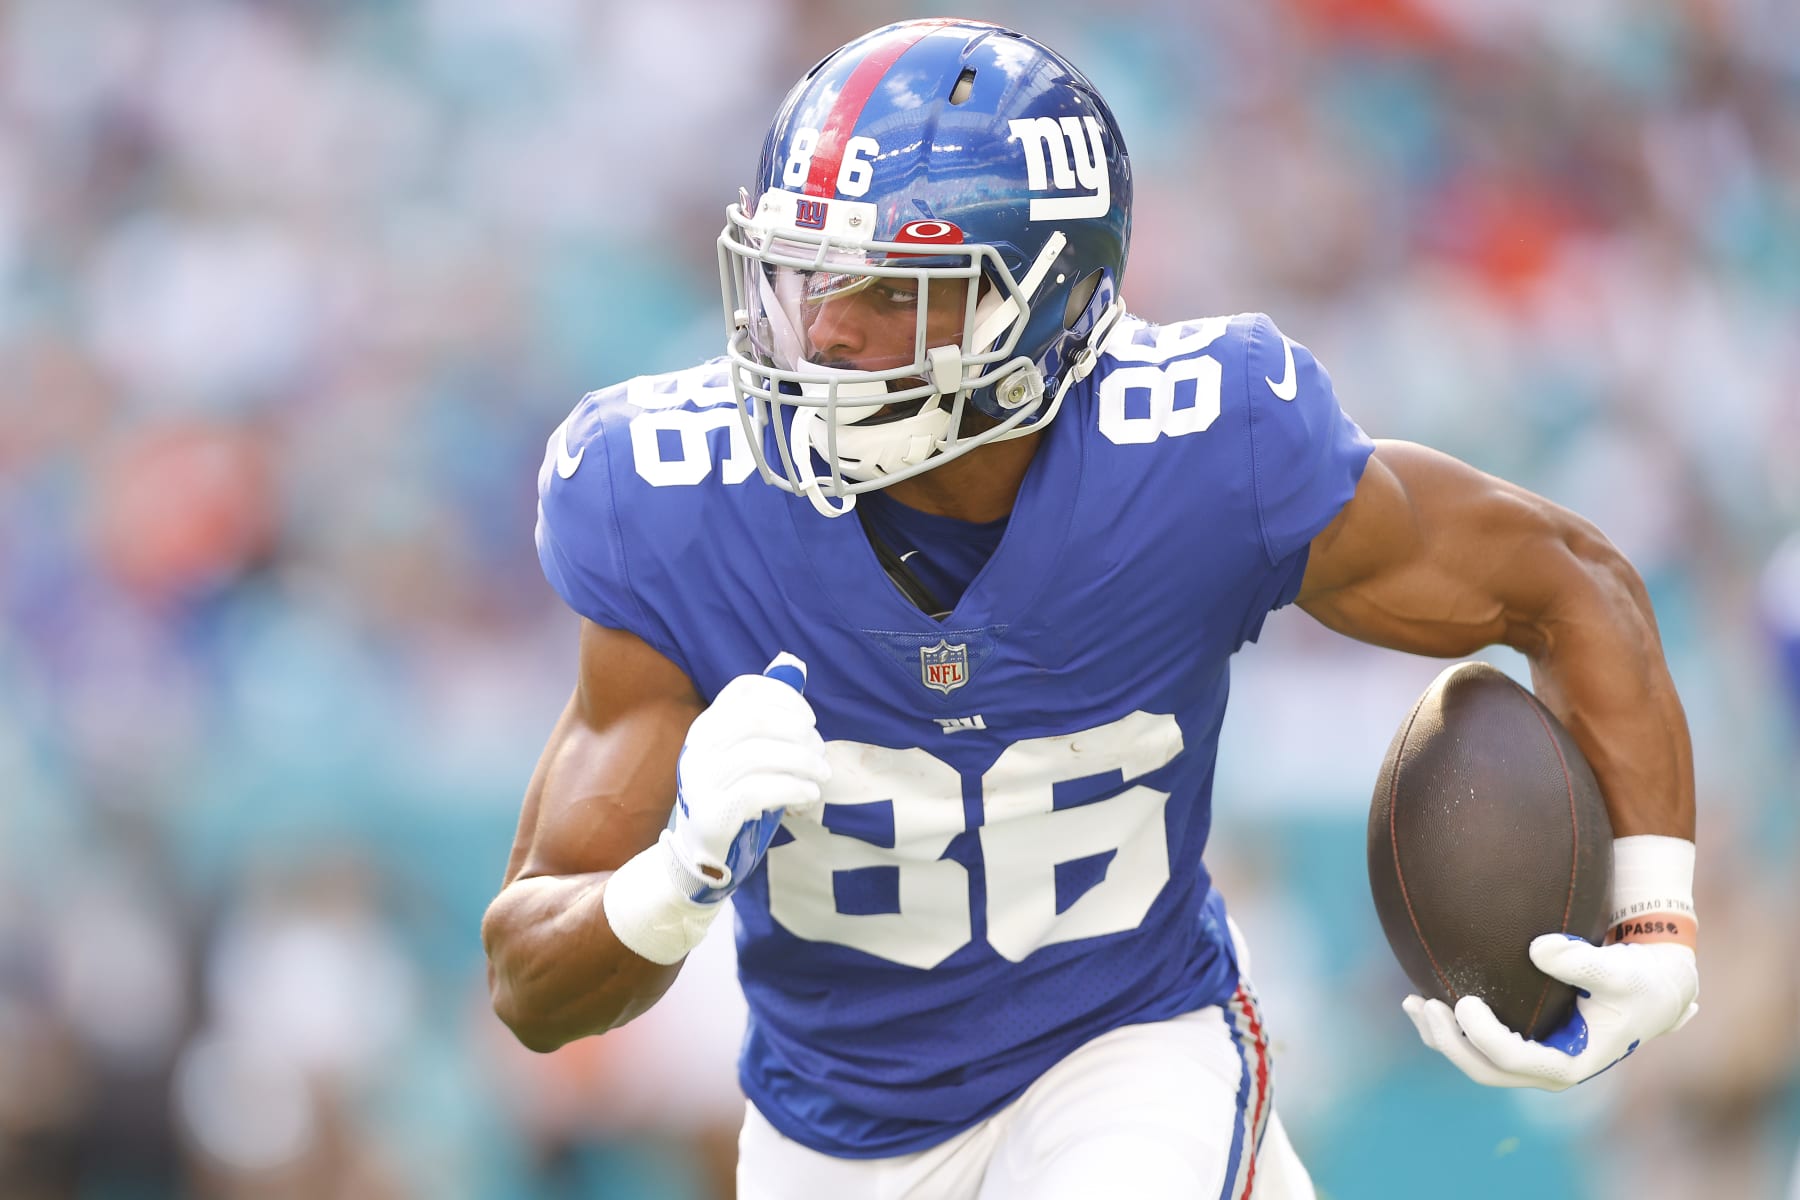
pixel 872 323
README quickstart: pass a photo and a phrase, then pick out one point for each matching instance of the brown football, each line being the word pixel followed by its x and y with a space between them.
pixel 1487 828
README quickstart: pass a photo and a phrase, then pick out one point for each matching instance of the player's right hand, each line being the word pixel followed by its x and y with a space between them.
pixel 754 753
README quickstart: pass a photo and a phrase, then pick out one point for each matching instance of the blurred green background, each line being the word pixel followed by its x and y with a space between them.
pixel 292 292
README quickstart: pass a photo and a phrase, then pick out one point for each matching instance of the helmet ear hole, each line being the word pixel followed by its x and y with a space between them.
pixel 1079 297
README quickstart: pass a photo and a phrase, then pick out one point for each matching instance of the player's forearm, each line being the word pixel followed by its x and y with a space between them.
pixel 1598 663
pixel 556 970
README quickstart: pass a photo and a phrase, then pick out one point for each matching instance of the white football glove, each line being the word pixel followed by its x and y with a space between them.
pixel 1626 992
pixel 754 753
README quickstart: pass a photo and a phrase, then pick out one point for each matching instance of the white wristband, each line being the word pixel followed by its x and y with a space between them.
pixel 1651 874
pixel 646 903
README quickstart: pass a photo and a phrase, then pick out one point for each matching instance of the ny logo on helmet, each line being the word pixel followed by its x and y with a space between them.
pixel 1071 150
pixel 944 667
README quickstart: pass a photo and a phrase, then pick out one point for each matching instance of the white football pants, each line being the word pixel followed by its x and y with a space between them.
pixel 1181 1108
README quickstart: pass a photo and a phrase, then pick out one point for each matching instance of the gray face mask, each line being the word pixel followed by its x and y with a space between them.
pixel 930 329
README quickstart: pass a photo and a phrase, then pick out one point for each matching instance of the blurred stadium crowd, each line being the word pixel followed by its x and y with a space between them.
pixel 292 291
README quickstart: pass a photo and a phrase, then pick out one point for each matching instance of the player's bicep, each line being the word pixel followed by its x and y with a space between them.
pixel 604 785
pixel 1435 557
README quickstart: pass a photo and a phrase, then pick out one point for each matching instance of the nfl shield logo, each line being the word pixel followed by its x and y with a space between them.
pixel 943 666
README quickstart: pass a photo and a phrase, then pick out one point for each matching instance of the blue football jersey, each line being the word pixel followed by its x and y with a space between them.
pixel 1009 858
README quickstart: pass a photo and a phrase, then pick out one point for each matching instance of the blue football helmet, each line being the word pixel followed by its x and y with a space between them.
pixel 940 221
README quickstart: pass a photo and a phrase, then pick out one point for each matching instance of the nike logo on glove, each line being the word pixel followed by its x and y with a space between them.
pixel 1289 387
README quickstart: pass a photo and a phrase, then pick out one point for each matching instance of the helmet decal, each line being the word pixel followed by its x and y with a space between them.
pixel 928 232
pixel 835 156
pixel 1073 148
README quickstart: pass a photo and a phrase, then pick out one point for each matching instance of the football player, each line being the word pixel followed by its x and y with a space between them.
pixel 907 625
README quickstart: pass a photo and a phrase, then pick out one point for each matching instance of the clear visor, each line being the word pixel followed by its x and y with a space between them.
pixel 857 311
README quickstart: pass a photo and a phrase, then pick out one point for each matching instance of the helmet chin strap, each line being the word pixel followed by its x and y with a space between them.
pixel 877 450
pixel 808 429
pixel 842 384
pixel 808 424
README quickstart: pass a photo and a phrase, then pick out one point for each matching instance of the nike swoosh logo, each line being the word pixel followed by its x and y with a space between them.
pixel 908 555
pixel 1289 387
pixel 566 463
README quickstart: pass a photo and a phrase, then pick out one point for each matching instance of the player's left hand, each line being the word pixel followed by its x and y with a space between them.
pixel 1626 992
